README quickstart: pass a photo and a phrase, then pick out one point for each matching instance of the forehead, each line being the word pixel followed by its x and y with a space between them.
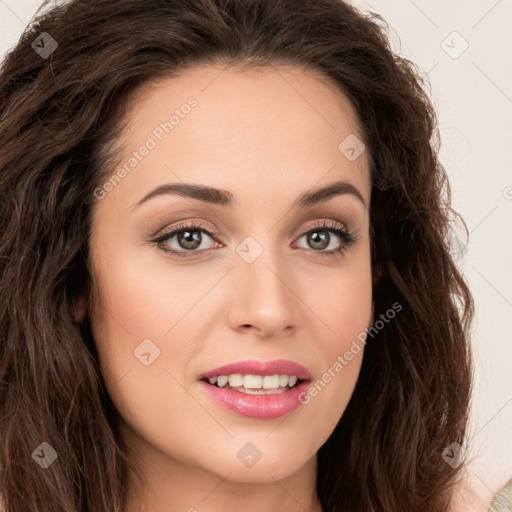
pixel 233 129
pixel 290 92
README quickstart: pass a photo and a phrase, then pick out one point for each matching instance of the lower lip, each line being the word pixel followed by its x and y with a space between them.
pixel 258 406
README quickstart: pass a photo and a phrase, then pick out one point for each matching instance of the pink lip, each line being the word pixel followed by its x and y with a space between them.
pixel 255 367
pixel 259 406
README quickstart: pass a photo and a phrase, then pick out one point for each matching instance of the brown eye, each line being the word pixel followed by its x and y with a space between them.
pixel 318 239
pixel 189 238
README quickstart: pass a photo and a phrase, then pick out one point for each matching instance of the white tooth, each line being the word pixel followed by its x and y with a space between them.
pixel 222 380
pixel 236 380
pixel 271 382
pixel 212 380
pixel 251 381
pixel 262 391
pixel 292 380
pixel 283 380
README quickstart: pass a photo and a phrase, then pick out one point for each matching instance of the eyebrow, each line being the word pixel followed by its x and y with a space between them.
pixel 225 198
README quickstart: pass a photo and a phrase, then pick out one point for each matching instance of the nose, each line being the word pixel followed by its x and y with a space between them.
pixel 264 299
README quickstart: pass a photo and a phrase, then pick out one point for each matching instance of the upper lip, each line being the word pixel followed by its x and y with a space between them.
pixel 256 367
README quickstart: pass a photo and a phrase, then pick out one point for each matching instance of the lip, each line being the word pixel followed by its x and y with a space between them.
pixel 257 406
pixel 265 406
pixel 255 367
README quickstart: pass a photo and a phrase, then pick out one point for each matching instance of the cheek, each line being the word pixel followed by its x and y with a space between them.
pixel 138 301
pixel 135 308
pixel 344 305
pixel 128 326
pixel 345 308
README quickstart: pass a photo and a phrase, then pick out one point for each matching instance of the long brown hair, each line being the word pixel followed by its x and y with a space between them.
pixel 60 113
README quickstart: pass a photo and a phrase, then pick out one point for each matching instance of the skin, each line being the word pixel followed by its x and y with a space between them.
pixel 267 136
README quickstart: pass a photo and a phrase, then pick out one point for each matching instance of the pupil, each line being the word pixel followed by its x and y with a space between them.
pixel 191 239
pixel 319 236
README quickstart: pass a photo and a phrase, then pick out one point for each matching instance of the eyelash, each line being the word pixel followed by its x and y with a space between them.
pixel 347 238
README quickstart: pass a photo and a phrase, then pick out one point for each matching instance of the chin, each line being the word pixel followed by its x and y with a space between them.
pixel 248 464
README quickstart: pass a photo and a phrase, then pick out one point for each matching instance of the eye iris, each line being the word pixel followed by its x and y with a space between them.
pixel 323 238
pixel 192 237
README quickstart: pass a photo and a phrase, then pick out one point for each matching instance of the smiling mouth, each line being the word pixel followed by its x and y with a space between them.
pixel 255 384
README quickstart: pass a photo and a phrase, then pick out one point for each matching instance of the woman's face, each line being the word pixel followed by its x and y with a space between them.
pixel 257 289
